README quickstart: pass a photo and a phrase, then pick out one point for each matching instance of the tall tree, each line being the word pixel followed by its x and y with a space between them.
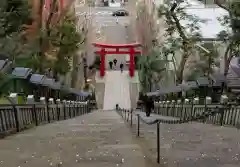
pixel 14 15
pixel 180 36
pixel 65 40
pixel 146 31
pixel 231 34
pixel 150 69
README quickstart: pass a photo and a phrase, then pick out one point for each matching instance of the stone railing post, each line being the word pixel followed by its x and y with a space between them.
pixel 196 100
pixel 78 108
pixel 69 110
pixel 44 108
pixel 51 113
pixel 13 97
pixel 224 102
pixel 186 110
pixel 64 103
pixel 163 107
pixel 31 101
pixel 186 101
pixel 224 99
pixel 59 109
pixel 73 108
pixel 42 100
pixel 179 107
pixel 167 107
pixel 208 100
pixel 173 102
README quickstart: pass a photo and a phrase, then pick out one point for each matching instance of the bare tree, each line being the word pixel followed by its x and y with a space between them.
pixel 145 28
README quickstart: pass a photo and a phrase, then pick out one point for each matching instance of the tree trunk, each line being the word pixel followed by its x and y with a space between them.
pixel 150 85
pixel 74 76
pixel 186 43
pixel 227 59
pixel 179 75
pixel 41 53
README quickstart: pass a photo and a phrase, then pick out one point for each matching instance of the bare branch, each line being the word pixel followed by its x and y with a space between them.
pixel 84 40
pixel 220 3
pixel 177 22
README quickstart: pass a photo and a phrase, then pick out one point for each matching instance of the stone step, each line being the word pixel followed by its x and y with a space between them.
pixel 98 139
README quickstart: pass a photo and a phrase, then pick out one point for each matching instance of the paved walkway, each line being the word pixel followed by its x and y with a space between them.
pixel 117 90
pixel 99 139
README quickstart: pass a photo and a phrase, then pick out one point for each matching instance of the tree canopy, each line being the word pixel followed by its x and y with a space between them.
pixel 179 35
pixel 150 69
pixel 50 49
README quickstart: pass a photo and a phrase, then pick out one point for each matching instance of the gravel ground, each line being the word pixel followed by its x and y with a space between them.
pixel 193 144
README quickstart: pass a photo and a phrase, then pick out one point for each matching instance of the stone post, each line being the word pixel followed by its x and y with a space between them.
pixel 69 109
pixel 59 108
pixel 208 100
pixel 174 107
pixel 30 99
pixel 186 101
pixel 51 101
pixel 224 101
pixel 196 100
pixel 64 102
pixel 14 98
pixel 42 100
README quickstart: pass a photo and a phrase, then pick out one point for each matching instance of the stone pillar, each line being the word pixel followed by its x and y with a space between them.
pixel 59 109
pixel 208 100
pixel 196 100
pixel 179 101
pixel 132 62
pixel 224 99
pixel 30 99
pixel 42 100
pixel 58 101
pixel 186 101
pixel 51 101
pixel 102 66
pixel 14 98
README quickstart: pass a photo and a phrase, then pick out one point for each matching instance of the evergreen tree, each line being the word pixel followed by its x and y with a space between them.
pixel 150 69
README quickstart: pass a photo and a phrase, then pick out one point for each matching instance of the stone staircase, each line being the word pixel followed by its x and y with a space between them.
pixel 97 139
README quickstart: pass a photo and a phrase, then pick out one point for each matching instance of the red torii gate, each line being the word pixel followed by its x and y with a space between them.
pixel 131 51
